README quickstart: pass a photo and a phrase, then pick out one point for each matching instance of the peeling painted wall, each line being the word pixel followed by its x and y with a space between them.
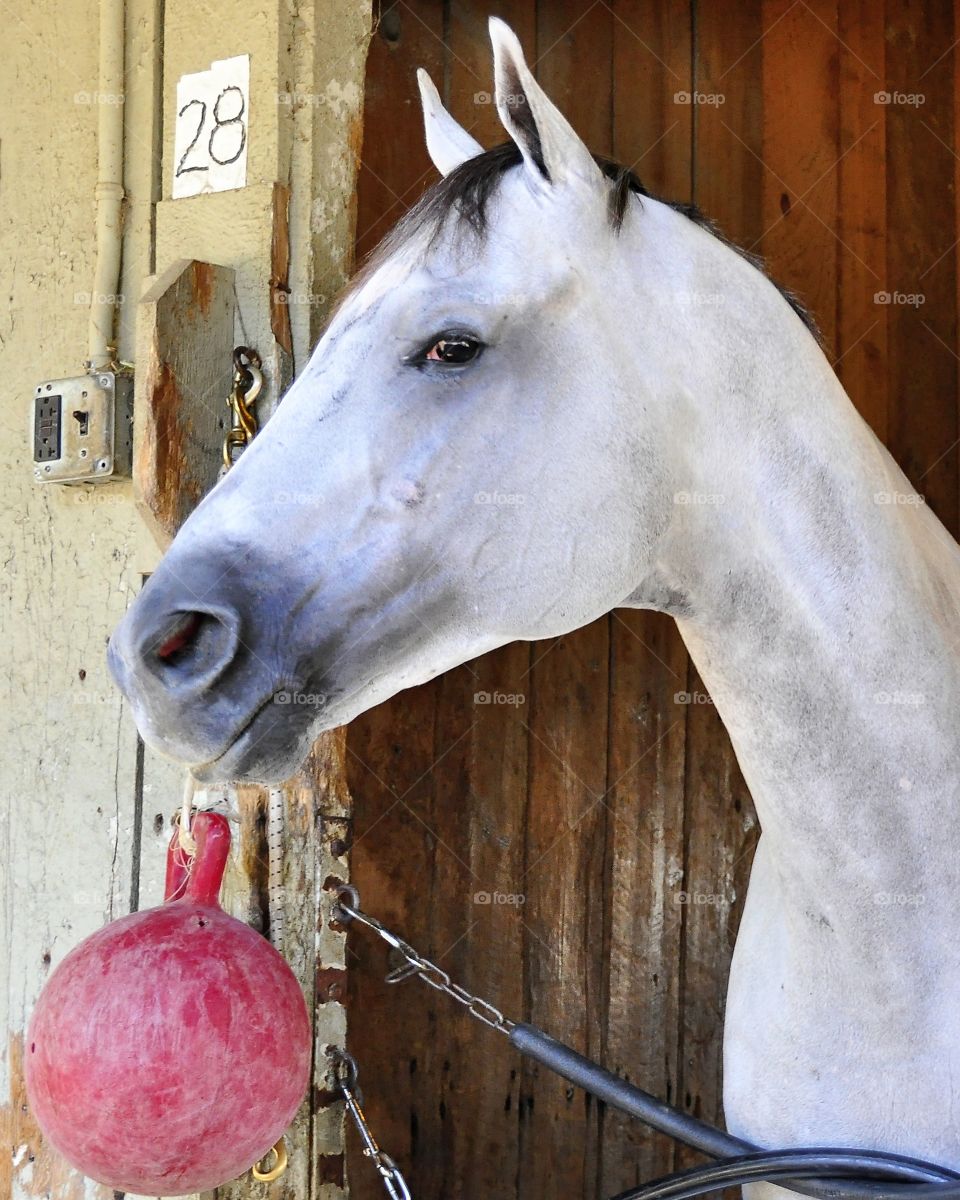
pixel 83 811
pixel 68 751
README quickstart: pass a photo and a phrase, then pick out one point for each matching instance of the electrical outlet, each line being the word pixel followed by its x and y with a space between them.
pixel 82 428
pixel 46 429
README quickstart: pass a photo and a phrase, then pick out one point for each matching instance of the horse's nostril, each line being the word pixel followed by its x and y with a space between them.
pixel 181 637
pixel 191 649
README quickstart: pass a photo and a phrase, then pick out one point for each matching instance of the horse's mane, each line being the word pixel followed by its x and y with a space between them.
pixel 465 194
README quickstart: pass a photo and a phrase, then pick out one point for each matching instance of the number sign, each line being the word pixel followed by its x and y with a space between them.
pixel 210 145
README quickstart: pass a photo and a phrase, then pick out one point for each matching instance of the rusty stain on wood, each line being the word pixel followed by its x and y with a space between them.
pixel 331 984
pixel 160 457
pixel 184 346
pixel 202 279
pixel 280 268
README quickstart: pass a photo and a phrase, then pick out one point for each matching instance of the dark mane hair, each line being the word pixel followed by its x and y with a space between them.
pixel 465 193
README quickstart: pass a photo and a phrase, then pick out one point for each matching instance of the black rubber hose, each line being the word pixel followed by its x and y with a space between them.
pixel 773 1166
pixel 620 1094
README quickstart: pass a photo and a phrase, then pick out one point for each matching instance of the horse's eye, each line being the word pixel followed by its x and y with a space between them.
pixel 456 349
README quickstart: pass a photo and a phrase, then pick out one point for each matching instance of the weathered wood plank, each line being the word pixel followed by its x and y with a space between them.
pixel 395 168
pixel 185 346
pixel 392 1030
pixel 645 852
pixel 280 273
pixel 801 154
pixel 469 73
pixel 652 71
pixel 921 254
pixel 861 346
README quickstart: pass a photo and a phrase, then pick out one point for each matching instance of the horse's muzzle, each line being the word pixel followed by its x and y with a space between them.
pixel 198 666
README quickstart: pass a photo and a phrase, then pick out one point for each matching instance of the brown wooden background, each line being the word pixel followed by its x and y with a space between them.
pixel 601 798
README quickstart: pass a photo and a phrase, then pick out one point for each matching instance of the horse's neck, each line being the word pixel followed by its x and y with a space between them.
pixel 822 609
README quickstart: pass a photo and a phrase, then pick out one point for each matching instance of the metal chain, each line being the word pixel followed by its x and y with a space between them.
pixel 345 1069
pixel 348 909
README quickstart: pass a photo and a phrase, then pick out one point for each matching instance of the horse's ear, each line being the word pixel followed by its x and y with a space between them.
pixel 448 143
pixel 550 147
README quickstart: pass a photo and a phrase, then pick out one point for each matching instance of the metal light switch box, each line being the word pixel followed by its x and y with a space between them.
pixel 81 428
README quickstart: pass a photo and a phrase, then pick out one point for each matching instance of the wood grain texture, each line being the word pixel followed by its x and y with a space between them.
pixel 185 344
pixel 861 343
pixel 921 254
pixel 280 273
pixel 610 797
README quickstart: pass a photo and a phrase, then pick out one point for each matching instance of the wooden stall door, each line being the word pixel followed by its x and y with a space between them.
pixel 579 854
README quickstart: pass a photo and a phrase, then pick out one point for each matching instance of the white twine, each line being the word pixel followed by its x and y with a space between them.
pixel 184 836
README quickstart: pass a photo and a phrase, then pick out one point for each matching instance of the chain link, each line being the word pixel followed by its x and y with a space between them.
pixel 348 909
pixel 345 1069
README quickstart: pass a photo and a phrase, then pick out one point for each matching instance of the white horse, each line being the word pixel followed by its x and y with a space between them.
pixel 537 328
